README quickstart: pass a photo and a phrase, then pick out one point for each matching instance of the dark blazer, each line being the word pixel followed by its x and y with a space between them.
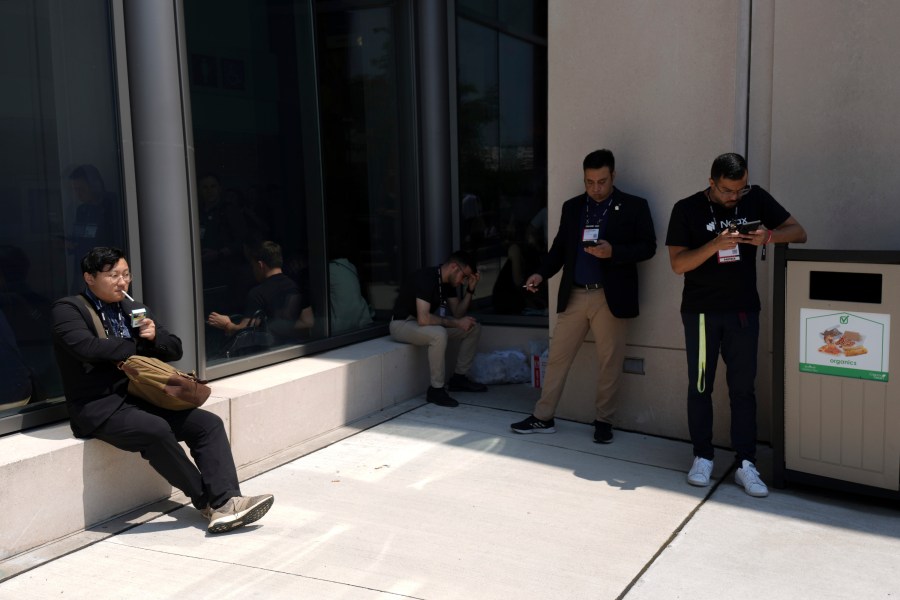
pixel 630 232
pixel 93 384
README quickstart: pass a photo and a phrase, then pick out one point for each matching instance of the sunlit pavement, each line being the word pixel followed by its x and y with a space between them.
pixel 449 503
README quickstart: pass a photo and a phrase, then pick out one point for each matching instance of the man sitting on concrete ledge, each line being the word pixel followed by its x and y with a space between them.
pixel 429 311
pixel 100 406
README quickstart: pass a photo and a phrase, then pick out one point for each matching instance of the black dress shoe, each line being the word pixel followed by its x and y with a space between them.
pixel 440 397
pixel 461 383
pixel 602 432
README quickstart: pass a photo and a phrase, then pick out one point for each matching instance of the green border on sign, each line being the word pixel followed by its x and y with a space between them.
pixel 843 372
pixel 840 371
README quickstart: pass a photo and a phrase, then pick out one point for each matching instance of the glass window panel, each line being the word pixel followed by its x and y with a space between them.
pixel 361 129
pixel 60 181
pixel 248 72
pixel 523 16
pixel 484 8
pixel 502 116
pixel 478 137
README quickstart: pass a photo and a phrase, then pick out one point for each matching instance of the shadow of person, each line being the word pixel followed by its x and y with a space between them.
pixel 99 218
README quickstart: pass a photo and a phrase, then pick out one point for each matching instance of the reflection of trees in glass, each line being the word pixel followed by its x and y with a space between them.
pixel 478 167
pixel 475 112
pixel 502 176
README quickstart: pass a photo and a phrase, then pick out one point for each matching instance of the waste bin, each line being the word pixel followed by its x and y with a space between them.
pixel 836 420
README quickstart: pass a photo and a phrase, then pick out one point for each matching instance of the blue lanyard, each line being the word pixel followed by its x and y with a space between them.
pixel 111 316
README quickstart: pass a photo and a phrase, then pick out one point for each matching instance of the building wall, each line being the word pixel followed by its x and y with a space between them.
pixel 668 87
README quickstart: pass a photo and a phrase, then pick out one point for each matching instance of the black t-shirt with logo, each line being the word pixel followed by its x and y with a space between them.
pixel 278 296
pixel 726 286
pixel 425 284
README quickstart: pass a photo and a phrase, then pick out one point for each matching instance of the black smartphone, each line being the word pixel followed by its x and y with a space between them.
pixel 588 243
pixel 746 228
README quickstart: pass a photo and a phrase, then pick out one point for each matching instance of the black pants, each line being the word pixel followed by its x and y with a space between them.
pixel 736 336
pixel 154 432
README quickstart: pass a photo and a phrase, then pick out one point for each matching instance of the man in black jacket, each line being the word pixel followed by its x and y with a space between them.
pixel 100 406
pixel 602 235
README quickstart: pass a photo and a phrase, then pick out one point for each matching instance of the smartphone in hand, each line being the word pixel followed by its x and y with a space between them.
pixel 749 227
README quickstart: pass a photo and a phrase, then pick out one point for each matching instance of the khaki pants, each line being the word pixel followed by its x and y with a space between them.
pixel 587 310
pixel 436 338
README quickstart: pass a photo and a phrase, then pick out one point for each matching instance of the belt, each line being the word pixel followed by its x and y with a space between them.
pixel 587 286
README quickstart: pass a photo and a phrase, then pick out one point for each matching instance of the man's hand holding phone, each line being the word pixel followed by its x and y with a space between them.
pixel 749 227
pixel 751 232
pixel 600 249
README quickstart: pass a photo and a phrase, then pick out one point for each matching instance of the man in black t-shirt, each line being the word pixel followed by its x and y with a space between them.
pixel 712 240
pixel 429 312
pixel 288 313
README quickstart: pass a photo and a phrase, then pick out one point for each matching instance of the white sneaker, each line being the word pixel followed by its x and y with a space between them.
pixel 748 476
pixel 238 511
pixel 700 472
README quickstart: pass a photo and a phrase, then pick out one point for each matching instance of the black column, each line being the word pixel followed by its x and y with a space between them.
pixel 434 111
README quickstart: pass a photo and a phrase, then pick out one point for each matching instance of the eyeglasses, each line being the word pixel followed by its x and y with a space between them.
pixel 113 276
pixel 739 193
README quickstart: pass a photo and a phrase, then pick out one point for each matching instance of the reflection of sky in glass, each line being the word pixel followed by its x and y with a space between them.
pixel 516 92
pixel 490 62
pixel 477 49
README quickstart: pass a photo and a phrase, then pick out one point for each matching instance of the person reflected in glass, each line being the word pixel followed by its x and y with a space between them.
pixel 523 257
pixel 277 299
pixel 223 233
pixel 99 218
pixel 348 308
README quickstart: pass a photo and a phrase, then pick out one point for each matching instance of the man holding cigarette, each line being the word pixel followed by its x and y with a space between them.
pixel 100 406
pixel 602 235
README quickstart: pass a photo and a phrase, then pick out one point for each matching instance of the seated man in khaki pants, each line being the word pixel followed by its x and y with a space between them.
pixel 429 311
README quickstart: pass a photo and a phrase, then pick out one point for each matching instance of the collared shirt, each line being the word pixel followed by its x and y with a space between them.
pixel 111 315
pixel 588 268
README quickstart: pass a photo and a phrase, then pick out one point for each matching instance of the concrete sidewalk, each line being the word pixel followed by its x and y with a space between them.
pixel 449 503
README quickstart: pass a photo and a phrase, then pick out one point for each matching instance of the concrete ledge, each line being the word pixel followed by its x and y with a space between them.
pixel 55 485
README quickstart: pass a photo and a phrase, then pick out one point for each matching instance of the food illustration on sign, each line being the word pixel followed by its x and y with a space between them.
pixel 848 343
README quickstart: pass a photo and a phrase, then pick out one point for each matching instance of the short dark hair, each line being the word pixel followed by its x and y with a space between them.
pixel 99 257
pixel 463 259
pixel 730 166
pixel 599 159
pixel 269 253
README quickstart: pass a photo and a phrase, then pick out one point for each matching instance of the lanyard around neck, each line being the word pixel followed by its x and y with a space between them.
pixel 713 213
pixel 587 209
